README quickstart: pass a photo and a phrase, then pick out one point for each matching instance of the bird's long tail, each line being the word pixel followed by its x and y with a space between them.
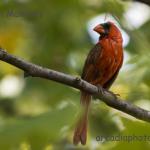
pixel 80 133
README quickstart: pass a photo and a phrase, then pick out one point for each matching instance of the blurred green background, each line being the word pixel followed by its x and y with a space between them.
pixel 37 114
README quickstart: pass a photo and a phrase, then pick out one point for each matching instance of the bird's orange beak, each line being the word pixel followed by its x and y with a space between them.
pixel 99 29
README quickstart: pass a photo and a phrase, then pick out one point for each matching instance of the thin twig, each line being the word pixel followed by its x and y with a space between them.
pixel 147 2
pixel 107 97
pixel 144 1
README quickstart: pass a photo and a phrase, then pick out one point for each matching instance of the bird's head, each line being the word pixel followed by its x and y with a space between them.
pixel 108 29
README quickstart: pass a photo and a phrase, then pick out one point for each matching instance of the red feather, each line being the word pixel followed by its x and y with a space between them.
pixel 101 68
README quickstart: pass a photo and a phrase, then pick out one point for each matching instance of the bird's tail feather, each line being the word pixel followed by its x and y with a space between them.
pixel 80 133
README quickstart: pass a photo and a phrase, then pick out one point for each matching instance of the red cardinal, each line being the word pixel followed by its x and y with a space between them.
pixel 101 67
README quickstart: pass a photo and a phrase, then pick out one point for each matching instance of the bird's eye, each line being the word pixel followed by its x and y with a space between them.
pixel 106 25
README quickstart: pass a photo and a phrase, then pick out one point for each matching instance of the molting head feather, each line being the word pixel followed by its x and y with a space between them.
pixel 108 29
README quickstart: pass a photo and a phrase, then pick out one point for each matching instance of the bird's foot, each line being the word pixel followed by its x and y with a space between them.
pixel 100 90
pixel 114 94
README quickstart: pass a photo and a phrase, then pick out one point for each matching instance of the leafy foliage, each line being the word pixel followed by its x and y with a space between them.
pixel 53 34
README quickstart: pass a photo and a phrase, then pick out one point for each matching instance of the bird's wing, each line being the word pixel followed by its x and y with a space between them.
pixel 108 84
pixel 90 71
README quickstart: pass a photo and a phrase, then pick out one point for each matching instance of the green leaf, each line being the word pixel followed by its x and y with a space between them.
pixel 38 131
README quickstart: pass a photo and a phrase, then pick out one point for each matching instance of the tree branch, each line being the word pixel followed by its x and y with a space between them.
pixel 147 2
pixel 144 1
pixel 107 97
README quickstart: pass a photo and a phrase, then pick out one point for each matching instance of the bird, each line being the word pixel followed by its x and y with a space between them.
pixel 101 68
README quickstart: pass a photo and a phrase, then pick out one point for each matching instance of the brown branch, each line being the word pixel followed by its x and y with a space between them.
pixel 144 1
pixel 107 97
pixel 147 2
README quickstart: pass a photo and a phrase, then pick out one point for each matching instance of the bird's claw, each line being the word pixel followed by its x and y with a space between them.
pixel 114 94
pixel 100 90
